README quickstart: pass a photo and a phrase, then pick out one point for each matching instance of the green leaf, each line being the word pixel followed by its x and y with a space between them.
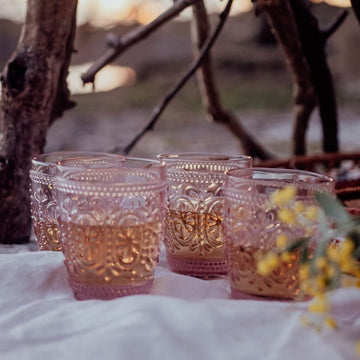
pixel 333 208
pixel 354 235
pixel 304 258
pixel 334 282
pixel 356 254
pixel 297 244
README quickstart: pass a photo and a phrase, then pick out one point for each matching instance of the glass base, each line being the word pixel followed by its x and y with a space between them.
pixel 237 294
pixel 202 268
pixel 107 292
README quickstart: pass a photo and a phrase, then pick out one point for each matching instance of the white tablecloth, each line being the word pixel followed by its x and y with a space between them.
pixel 182 318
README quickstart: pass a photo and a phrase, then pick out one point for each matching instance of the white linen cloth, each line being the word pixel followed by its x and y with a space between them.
pixel 182 318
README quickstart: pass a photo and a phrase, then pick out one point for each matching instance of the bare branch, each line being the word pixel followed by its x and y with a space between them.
pixel 208 89
pixel 62 98
pixel 283 23
pixel 335 25
pixel 309 162
pixel 131 38
pixel 178 86
pixel 112 40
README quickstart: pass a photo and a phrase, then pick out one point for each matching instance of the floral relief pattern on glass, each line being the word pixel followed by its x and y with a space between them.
pixel 193 222
pixel 114 240
pixel 114 254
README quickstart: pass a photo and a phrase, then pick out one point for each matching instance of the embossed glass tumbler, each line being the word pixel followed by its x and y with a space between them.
pixel 193 235
pixel 42 194
pixel 111 226
pixel 254 223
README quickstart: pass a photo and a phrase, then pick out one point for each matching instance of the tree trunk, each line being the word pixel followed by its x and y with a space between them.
pixel 283 23
pixel 34 93
pixel 313 45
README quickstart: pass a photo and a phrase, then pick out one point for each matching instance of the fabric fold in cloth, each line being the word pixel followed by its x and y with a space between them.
pixel 182 318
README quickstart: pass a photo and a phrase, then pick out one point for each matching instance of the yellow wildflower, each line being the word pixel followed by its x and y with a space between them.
pixel 319 305
pixel 299 207
pixel 320 263
pixel 320 284
pixel 286 257
pixel 358 347
pixel 311 212
pixel 307 288
pixel 304 272
pixel 268 264
pixel 283 196
pixel 263 268
pixel 281 240
pixel 273 260
pixel 346 248
pixel 329 271
pixel 331 323
pixel 286 216
pixel 348 266
pixel 332 252
pixel 349 282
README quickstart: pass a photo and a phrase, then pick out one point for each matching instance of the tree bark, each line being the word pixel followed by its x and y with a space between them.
pixel 313 44
pixel 283 23
pixel 34 93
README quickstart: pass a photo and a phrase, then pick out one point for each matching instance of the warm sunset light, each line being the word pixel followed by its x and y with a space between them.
pixel 109 78
pixel 148 11
pixel 340 3
pixel 107 13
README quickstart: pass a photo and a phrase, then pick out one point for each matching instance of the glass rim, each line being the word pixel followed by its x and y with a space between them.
pixel 200 157
pixel 40 159
pixel 234 174
pixel 147 163
pixel 149 166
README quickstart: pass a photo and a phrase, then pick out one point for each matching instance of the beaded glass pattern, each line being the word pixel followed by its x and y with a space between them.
pixel 252 226
pixel 111 226
pixel 193 235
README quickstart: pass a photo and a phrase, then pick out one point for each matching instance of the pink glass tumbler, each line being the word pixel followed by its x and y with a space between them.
pixel 253 224
pixel 193 235
pixel 111 222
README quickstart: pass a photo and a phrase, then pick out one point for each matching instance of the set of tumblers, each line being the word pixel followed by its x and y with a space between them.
pixel 110 214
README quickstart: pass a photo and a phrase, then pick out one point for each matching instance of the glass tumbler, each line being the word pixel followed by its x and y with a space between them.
pixel 193 234
pixel 42 194
pixel 111 222
pixel 253 225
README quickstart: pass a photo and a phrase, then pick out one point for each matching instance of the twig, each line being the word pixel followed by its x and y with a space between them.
pixel 139 33
pixel 209 91
pixel 177 87
pixel 335 25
